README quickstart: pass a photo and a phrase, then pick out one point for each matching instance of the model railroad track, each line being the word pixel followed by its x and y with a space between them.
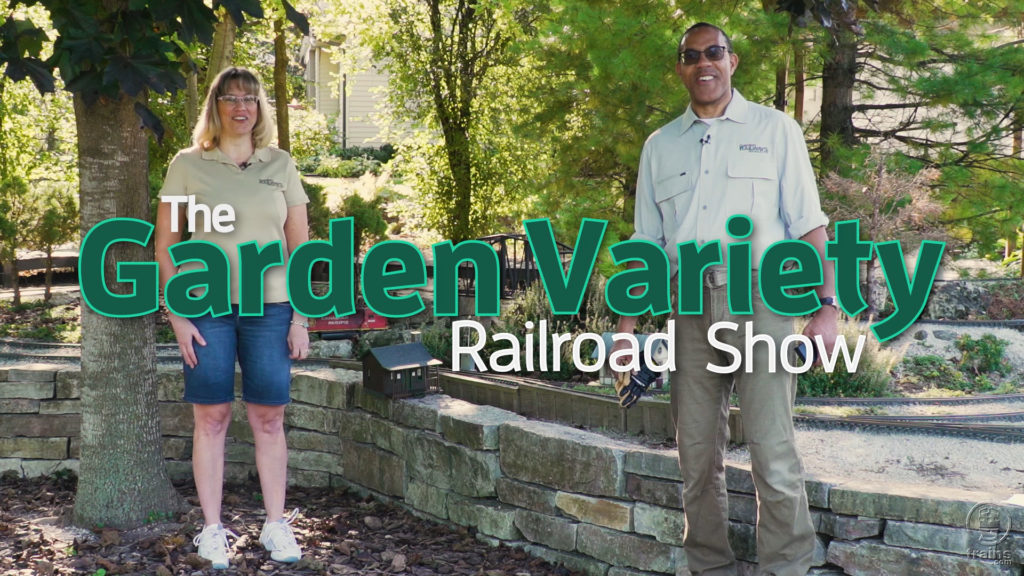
pixel 908 401
pixel 963 428
pixel 17 351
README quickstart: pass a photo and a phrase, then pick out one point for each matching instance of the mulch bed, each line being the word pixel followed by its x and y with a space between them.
pixel 340 533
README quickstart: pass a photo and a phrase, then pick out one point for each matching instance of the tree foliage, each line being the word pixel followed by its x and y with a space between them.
pixel 453 84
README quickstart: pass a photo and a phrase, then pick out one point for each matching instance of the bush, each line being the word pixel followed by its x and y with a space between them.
pixel 335 167
pixel 382 155
pixel 310 138
pixel 984 355
pixel 318 214
pixel 437 339
pixel 872 378
pixel 594 316
pixel 934 370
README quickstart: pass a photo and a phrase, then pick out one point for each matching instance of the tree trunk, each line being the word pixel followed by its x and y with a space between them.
pixel 281 85
pixel 838 75
pixel 192 101
pixel 12 279
pixel 49 273
pixel 223 49
pixel 122 479
pixel 781 76
pixel 457 145
pixel 798 84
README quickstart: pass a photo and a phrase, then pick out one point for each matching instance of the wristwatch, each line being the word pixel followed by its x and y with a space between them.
pixel 828 301
pixel 303 324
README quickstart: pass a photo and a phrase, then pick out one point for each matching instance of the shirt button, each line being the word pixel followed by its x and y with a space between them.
pixel 705 171
pixel 705 206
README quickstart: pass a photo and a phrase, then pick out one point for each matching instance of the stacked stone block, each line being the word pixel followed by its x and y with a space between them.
pixel 595 504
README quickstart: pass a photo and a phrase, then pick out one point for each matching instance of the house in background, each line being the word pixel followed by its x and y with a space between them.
pixel 350 98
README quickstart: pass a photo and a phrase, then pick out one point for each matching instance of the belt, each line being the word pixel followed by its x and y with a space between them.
pixel 716 277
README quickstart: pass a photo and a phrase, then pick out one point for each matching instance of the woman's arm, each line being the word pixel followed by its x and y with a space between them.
pixel 184 331
pixel 296 232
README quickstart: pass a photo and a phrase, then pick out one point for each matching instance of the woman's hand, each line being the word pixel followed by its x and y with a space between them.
pixel 298 341
pixel 185 332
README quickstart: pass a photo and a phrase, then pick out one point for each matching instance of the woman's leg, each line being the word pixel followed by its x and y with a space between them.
pixel 267 424
pixel 211 426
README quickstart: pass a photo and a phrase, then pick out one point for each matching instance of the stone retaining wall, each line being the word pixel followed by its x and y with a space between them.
pixel 596 504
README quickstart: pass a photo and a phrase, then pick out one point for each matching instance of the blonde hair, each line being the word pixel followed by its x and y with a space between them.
pixel 208 128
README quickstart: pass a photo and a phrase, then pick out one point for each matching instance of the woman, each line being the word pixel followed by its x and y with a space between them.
pixel 231 163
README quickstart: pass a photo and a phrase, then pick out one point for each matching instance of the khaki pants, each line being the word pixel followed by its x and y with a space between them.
pixel 700 400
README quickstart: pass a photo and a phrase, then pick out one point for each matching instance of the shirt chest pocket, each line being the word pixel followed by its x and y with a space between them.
pixel 673 194
pixel 753 184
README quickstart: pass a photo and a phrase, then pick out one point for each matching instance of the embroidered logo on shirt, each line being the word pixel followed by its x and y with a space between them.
pixel 271 182
pixel 754 148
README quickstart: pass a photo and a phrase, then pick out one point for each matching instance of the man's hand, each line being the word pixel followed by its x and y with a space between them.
pixel 824 324
pixel 630 387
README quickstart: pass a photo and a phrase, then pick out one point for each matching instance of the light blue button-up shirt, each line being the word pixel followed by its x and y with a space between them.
pixel 695 175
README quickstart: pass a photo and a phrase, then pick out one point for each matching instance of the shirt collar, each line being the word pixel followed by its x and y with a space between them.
pixel 737 111
pixel 259 155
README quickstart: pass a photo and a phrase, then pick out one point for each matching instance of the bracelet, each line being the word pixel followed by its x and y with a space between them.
pixel 303 324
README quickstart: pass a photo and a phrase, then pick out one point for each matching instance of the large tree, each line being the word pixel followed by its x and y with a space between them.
pixel 110 54
pixel 450 71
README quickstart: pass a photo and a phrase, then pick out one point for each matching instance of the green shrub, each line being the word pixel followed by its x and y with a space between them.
pixel 532 305
pixel 310 138
pixel 335 167
pixel 317 213
pixel 437 339
pixel 382 155
pixel 872 378
pixel 934 370
pixel 984 355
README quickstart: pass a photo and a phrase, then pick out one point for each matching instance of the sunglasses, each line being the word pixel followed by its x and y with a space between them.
pixel 691 56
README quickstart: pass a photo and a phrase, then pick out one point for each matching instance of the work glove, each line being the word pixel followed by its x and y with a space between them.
pixel 630 387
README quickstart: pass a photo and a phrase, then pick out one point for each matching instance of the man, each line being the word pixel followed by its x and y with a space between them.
pixel 723 157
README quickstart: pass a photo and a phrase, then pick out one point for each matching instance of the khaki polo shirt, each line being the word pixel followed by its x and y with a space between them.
pixel 695 175
pixel 260 196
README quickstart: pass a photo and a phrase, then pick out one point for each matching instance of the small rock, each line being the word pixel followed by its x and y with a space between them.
pixel 309 563
pixel 109 538
pixel 373 523
pixel 946 335
pixel 196 561
pixel 398 563
pixel 921 335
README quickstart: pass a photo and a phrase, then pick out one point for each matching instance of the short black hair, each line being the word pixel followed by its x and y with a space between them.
pixel 728 41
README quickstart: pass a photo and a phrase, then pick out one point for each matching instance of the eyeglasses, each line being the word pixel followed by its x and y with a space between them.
pixel 232 99
pixel 691 56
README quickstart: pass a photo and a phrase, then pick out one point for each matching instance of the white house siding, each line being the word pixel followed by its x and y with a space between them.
pixel 358 98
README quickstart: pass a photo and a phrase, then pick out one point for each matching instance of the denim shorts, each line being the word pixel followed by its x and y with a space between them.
pixel 259 343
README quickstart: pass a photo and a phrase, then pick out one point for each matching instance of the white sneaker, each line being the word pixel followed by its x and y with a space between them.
pixel 278 539
pixel 212 544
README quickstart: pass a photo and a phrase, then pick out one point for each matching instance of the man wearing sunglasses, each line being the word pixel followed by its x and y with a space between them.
pixel 725 157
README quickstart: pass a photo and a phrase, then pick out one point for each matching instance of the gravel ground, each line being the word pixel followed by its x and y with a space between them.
pixel 886 459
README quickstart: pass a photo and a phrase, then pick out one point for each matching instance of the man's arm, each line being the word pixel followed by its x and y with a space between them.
pixel 823 323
